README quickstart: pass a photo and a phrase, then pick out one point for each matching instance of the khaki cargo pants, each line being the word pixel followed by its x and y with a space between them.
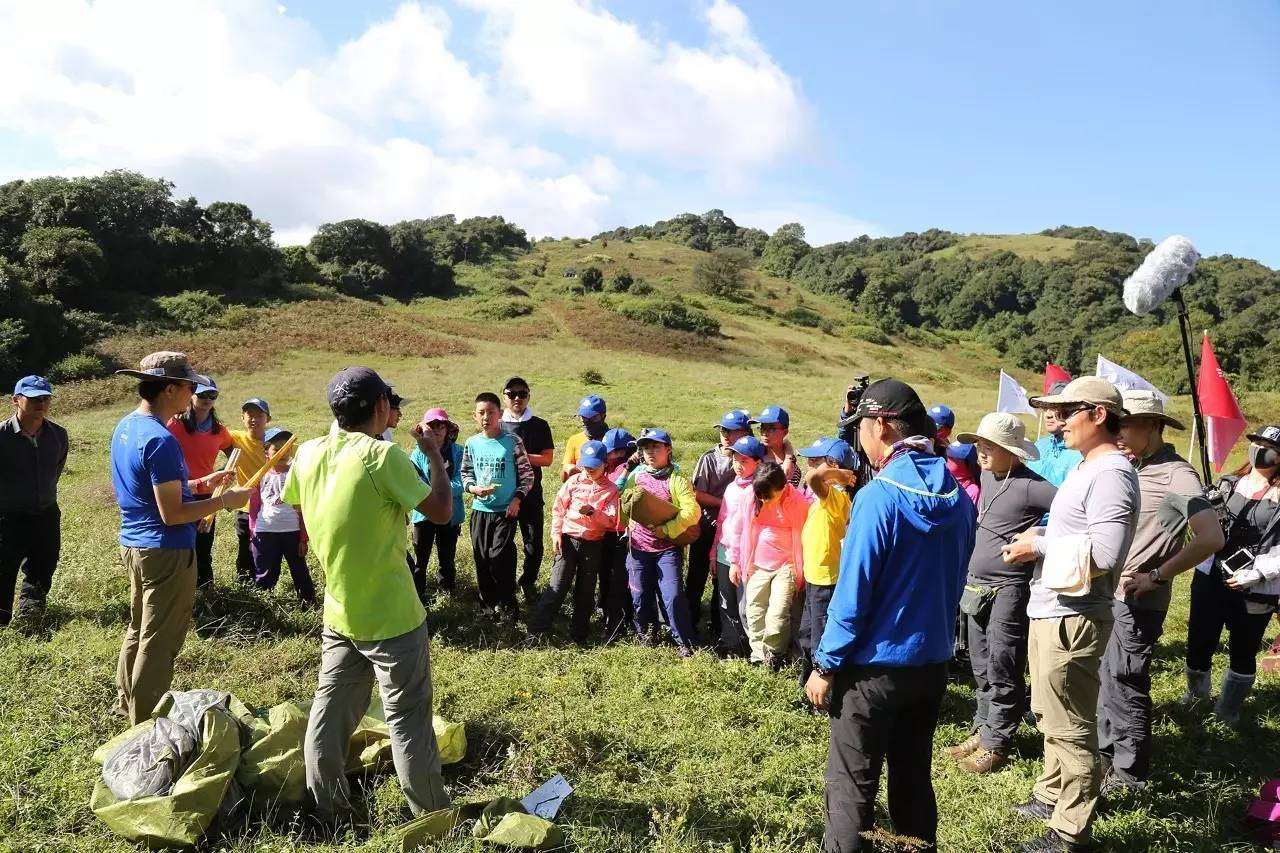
pixel 162 590
pixel 1065 653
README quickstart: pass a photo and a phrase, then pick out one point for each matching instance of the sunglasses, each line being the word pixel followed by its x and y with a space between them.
pixel 516 395
pixel 208 395
pixel 1067 414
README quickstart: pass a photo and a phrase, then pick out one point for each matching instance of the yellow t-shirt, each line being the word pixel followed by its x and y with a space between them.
pixel 822 536
pixel 253 454
pixel 572 446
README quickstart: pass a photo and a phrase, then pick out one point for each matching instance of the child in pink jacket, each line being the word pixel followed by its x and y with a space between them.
pixel 585 510
pixel 736 508
pixel 771 557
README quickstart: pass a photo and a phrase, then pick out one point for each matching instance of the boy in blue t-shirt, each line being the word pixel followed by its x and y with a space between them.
pixel 496 471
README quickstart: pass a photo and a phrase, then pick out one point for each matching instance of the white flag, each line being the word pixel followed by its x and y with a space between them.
pixel 1012 397
pixel 1127 380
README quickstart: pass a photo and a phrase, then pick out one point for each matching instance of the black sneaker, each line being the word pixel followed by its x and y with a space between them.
pixel 685 651
pixel 1034 809
pixel 530 593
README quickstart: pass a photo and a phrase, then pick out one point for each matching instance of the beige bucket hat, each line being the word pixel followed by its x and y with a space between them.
pixel 1090 390
pixel 1005 430
pixel 167 366
pixel 1145 404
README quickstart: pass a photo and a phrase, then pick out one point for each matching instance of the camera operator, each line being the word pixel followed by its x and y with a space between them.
pixel 1231 593
pixel 847 430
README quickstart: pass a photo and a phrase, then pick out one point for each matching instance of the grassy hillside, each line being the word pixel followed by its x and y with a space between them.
pixel 665 754
pixel 1036 247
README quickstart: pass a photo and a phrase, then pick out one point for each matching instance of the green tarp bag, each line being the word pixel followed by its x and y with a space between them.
pixel 181 817
pixel 526 830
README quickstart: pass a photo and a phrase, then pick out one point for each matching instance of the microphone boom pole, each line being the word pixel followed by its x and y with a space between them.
pixel 1184 322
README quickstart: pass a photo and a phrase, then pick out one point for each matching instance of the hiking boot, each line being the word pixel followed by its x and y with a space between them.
pixel 1050 841
pixel 648 641
pixel 1034 809
pixel 965 748
pixel 530 593
pixel 773 661
pixel 1198 683
pixel 1235 688
pixel 684 651
pixel 983 761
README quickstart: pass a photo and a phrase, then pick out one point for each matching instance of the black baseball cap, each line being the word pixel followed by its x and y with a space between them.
pixel 895 399
pixel 355 390
pixel 515 382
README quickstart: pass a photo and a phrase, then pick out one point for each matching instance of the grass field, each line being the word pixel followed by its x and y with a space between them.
pixel 1037 247
pixel 665 754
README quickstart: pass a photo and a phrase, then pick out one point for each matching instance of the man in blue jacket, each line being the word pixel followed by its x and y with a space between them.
pixel 881 668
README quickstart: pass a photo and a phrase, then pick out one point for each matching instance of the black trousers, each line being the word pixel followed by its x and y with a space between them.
pixel 444 537
pixel 879 714
pixel 204 549
pixel 493 543
pixel 1215 606
pixel 998 658
pixel 30 541
pixel 1124 697
pixel 699 569
pixel 531 520
pixel 813 621
pixel 616 592
pixel 246 570
pixel 575 567
pixel 729 599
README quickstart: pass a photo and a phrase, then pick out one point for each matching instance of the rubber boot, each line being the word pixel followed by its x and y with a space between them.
pixel 1198 682
pixel 1235 688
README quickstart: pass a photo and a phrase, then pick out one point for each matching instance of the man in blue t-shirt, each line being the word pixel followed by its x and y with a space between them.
pixel 157 530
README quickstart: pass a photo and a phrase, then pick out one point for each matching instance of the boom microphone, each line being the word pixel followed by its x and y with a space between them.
pixel 1163 271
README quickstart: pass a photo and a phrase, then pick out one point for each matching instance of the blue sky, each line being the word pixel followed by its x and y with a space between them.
pixel 570 116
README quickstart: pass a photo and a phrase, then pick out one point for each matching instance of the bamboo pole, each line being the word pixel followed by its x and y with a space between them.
pixel 232 459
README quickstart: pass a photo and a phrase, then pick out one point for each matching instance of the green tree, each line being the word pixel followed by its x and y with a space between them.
pixel 65 263
pixel 591 279
pixel 722 273
pixel 785 249
pixel 351 241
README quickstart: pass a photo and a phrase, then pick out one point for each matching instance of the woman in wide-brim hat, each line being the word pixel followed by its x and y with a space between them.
pixel 1013 499
pixel 1240 590
pixel 426 533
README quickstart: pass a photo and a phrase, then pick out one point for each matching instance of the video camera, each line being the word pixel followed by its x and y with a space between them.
pixel 854 396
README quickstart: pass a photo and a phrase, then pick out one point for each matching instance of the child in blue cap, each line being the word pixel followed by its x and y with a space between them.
pixel 830 480
pixel 655 560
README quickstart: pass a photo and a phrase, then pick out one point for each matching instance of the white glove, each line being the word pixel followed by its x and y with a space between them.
pixel 1247 577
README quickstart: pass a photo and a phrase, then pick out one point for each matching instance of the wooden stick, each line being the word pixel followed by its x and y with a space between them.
pixel 270 463
pixel 233 458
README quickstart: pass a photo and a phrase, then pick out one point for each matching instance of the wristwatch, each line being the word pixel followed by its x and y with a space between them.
pixel 1155 576
pixel 823 671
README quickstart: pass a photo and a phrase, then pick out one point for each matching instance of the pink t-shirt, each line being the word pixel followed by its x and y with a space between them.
pixel 774 547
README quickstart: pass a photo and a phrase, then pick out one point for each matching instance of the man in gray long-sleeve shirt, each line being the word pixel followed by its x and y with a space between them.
pixel 33 452
pixel 1098 500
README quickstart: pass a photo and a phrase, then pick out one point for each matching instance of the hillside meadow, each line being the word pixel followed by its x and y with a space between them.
pixel 666 755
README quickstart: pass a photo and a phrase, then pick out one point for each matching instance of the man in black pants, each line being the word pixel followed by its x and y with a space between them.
pixel 881 667
pixel 711 476
pixel 33 452
pixel 519 420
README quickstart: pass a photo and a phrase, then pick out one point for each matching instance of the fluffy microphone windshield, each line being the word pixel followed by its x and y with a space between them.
pixel 1161 273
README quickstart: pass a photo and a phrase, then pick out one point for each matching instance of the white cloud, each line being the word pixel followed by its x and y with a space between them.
pixel 563 113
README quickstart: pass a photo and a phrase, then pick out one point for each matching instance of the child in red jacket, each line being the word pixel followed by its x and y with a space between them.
pixel 585 509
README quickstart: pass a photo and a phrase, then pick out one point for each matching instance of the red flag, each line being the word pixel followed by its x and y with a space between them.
pixel 1053 375
pixel 1224 422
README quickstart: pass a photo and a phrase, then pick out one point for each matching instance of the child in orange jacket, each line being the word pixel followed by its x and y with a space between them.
pixel 772 563
pixel 585 509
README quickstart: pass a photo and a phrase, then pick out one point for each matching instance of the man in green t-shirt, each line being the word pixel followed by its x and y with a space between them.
pixel 354 491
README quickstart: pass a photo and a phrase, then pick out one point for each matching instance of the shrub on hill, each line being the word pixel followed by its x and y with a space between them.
pixel 802 316
pixel 722 273
pixel 668 313
pixel 592 280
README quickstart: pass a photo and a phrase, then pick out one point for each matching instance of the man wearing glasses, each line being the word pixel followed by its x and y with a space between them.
pixel 1079 558
pixel 33 452
pixel 519 420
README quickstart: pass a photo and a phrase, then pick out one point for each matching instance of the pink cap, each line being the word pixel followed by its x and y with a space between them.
pixel 433 415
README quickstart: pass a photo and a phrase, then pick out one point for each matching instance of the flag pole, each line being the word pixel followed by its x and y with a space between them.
pixel 1039 422
pixel 1184 323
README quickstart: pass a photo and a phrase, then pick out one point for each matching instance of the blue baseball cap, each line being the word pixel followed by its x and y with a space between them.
pixel 257 403
pixel 618 439
pixel 655 436
pixel 773 415
pixel 965 452
pixel 591 406
pixel 830 448
pixel 592 454
pixel 206 385
pixel 749 445
pixel 33 386
pixel 942 415
pixel 736 420
pixel 274 433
